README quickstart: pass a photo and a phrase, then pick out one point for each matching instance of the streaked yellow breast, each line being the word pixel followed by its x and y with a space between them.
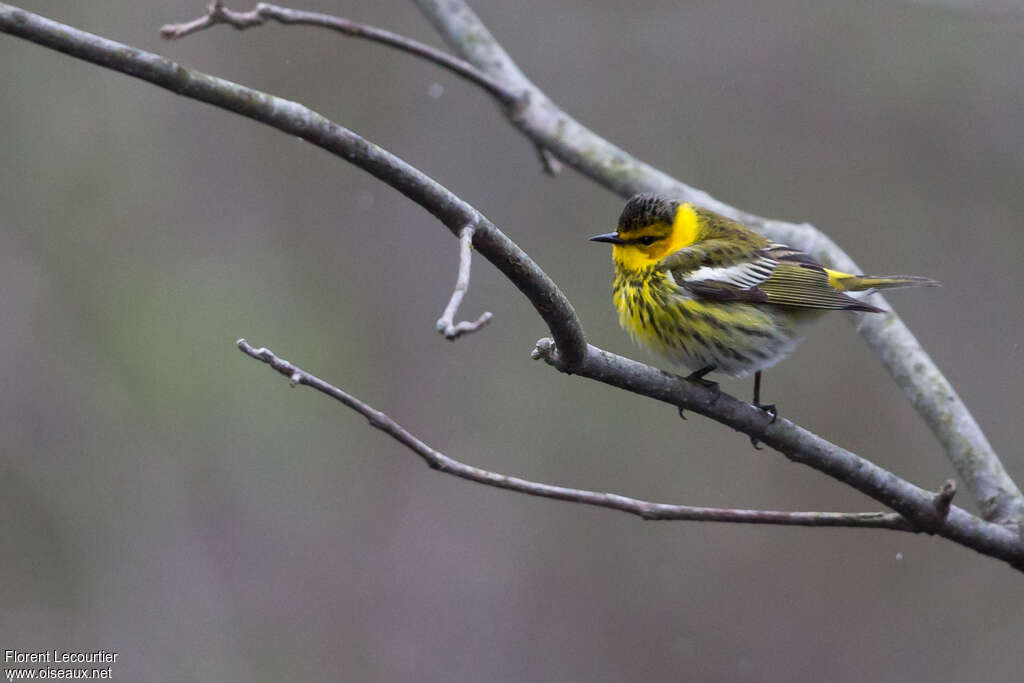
pixel 734 337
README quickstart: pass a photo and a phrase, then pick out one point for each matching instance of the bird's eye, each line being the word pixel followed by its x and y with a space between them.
pixel 647 240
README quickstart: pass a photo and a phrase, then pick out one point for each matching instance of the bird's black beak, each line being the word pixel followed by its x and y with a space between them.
pixel 612 237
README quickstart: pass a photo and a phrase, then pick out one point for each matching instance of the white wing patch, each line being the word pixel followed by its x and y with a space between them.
pixel 743 275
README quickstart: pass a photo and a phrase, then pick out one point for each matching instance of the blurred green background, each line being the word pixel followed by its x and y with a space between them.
pixel 172 500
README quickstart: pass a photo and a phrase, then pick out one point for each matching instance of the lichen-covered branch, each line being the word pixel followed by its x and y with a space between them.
pixel 929 391
pixel 644 508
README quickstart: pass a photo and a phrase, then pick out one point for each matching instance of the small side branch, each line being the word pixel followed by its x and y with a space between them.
pixel 548 161
pixel 944 498
pixel 217 13
pixel 445 324
pixel 512 99
pixel 642 508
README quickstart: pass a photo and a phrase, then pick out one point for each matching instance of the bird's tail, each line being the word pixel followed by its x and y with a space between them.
pixel 845 282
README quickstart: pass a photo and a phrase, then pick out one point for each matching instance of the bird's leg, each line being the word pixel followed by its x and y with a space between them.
pixel 768 408
pixel 698 377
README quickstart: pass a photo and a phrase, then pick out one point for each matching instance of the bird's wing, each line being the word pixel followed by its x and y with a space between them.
pixel 776 275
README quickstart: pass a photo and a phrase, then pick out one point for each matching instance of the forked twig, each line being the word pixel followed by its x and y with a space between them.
pixel 217 13
pixel 445 324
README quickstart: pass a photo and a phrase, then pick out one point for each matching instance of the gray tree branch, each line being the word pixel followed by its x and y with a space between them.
pixel 217 13
pixel 295 119
pixel 643 508
pixel 569 351
pixel 929 391
pixel 556 135
pixel 928 511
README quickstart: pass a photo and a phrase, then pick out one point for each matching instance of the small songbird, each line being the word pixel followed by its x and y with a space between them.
pixel 709 293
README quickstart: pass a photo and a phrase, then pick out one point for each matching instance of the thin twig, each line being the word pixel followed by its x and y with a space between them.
pixel 646 509
pixel 512 100
pixel 214 15
pixel 445 324
pixel 217 13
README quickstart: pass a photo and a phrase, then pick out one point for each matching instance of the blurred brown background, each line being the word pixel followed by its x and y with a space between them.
pixel 172 500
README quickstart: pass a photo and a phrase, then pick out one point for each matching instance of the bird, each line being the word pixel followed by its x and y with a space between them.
pixel 711 294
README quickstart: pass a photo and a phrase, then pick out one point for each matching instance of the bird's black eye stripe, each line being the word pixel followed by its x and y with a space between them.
pixel 646 240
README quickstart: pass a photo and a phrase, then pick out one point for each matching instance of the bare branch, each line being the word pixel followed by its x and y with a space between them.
pixel 445 324
pixel 569 353
pixel 553 129
pixel 799 445
pixel 557 135
pixel 217 13
pixel 509 98
pixel 646 509
pixel 294 119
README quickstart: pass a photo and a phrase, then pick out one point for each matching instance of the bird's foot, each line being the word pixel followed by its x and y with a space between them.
pixel 770 409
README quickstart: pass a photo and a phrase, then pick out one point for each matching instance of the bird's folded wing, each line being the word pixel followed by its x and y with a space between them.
pixel 807 286
pixel 776 275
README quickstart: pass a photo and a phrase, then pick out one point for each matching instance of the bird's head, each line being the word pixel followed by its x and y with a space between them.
pixel 650 227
